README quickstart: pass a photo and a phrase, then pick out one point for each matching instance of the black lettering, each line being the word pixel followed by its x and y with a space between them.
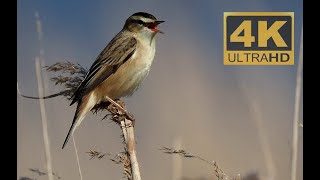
pixel 255 56
pixel 264 57
pixel 234 59
pixel 282 59
pixel 275 57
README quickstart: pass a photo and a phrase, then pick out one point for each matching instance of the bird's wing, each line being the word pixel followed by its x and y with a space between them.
pixel 117 52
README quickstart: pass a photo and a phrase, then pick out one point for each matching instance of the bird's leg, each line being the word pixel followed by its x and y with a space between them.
pixel 129 115
pixel 121 108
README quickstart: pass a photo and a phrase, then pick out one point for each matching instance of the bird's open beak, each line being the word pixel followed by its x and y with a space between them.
pixel 154 25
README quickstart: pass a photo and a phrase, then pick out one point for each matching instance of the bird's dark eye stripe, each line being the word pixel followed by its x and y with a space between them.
pixel 141 22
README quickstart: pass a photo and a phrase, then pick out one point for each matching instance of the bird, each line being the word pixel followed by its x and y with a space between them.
pixel 119 69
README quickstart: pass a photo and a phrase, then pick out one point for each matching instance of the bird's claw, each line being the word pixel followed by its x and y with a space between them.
pixel 120 110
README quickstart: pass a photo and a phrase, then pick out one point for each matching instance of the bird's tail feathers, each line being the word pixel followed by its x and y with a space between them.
pixel 84 106
pixel 71 130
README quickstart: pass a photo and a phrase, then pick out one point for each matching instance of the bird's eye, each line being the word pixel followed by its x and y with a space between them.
pixel 140 22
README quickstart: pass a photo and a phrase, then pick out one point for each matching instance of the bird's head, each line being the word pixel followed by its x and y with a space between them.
pixel 142 22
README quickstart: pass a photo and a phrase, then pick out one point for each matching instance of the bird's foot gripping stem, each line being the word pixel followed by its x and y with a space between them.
pixel 118 107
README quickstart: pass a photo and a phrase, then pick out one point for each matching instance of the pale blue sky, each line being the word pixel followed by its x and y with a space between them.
pixel 87 26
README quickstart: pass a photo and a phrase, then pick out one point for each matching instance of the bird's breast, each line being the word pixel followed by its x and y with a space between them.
pixel 128 77
pixel 144 55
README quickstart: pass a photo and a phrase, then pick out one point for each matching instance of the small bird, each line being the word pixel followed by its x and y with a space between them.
pixel 120 68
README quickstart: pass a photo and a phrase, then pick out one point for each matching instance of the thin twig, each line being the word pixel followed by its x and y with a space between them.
pixel 44 121
pixel 41 92
pixel 296 112
pixel 78 161
pixel 219 173
pixel 38 173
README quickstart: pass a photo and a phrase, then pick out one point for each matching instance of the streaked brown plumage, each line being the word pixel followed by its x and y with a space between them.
pixel 120 67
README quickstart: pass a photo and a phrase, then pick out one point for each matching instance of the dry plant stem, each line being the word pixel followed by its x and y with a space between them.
pixel 126 124
pixel 77 156
pixel 217 170
pixel 295 133
pixel 46 139
pixel 39 59
pixel 128 134
pixel 131 149
pixel 124 130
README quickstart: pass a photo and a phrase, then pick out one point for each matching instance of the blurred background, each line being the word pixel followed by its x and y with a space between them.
pixel 239 116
